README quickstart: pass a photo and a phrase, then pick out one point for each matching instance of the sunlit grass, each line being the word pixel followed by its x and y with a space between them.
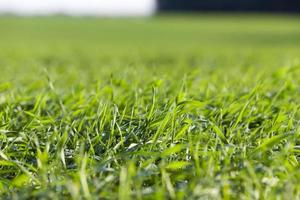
pixel 171 107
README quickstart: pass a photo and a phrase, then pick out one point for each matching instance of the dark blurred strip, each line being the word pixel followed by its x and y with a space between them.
pixel 230 5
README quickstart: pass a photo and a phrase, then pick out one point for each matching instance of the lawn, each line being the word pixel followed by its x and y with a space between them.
pixel 169 107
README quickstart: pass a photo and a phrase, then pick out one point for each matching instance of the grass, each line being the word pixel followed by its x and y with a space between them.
pixel 170 107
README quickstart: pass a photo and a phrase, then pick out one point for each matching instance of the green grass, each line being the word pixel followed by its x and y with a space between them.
pixel 170 107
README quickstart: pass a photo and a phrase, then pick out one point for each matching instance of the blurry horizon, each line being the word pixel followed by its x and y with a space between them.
pixel 139 8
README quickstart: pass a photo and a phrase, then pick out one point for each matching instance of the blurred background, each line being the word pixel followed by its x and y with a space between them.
pixel 140 7
pixel 79 7
pixel 230 5
pixel 106 34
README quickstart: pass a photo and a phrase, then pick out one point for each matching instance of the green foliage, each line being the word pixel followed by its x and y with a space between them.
pixel 172 107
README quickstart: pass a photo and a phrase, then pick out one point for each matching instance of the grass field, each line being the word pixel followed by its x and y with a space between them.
pixel 169 107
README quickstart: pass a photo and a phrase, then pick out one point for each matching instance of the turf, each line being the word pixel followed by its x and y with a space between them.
pixel 169 107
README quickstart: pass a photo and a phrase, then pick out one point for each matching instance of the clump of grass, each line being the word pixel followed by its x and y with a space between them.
pixel 161 126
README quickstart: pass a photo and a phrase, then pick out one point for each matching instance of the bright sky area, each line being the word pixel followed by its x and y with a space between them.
pixel 79 7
